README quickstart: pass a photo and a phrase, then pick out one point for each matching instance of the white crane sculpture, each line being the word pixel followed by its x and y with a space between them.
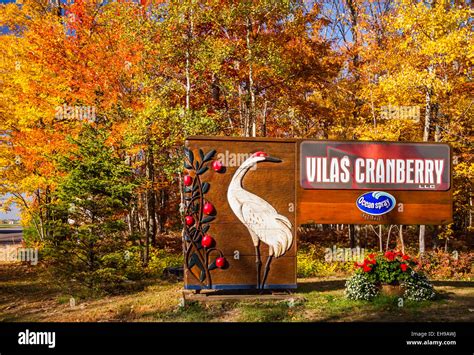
pixel 261 219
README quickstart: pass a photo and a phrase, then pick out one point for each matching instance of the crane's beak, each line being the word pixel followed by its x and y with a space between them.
pixel 273 159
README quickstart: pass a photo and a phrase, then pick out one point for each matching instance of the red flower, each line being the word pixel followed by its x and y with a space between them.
pixel 368 262
pixel 404 267
pixel 367 268
pixel 371 256
pixel 390 255
pixel 405 257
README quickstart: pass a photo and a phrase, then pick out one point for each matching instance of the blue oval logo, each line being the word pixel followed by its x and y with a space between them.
pixel 376 203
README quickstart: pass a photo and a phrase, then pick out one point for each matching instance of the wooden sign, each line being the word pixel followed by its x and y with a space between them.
pixel 374 166
pixel 251 227
pixel 244 199
pixel 335 177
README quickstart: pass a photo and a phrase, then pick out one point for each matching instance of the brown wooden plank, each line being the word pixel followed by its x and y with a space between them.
pixel 244 272
pixel 325 206
pixel 418 197
pixel 233 153
pixel 278 183
pixel 275 183
pixel 271 192
pixel 339 206
pixel 423 214
pixel 218 296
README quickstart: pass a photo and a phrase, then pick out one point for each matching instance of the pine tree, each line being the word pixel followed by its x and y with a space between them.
pixel 92 200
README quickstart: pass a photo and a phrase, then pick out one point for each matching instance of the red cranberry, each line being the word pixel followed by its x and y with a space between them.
pixel 220 262
pixel 216 165
pixel 208 208
pixel 207 241
pixel 189 220
pixel 187 180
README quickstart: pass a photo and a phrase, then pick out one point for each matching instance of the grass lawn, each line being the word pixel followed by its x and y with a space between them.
pixel 6 226
pixel 26 294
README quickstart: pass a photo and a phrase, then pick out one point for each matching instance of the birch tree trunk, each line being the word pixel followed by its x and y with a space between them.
pixel 400 235
pixel 188 60
pixel 426 136
pixel 252 125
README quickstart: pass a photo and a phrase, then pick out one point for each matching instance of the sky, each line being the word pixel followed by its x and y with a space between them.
pixel 13 214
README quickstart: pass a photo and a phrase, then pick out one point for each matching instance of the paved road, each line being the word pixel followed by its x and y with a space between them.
pixel 11 235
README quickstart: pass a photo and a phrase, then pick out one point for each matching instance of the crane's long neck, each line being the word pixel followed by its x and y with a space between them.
pixel 236 182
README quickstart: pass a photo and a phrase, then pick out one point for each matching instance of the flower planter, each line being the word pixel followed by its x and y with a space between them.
pixel 372 277
pixel 391 290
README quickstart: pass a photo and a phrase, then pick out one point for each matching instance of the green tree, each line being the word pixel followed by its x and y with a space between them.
pixel 93 199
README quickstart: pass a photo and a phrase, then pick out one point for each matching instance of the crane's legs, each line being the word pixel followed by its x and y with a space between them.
pixel 267 269
pixel 258 262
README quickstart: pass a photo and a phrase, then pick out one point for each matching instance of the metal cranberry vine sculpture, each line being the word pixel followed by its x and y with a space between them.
pixel 199 212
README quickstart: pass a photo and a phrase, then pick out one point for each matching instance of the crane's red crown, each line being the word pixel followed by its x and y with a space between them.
pixel 260 154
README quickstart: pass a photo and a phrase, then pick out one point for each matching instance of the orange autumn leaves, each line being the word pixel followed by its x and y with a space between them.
pixel 157 71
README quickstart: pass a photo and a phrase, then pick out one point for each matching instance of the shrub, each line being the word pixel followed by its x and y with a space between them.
pixel 307 263
pixel 361 287
pixel 86 229
pixel 311 262
pixel 439 264
pixel 418 288
pixel 160 260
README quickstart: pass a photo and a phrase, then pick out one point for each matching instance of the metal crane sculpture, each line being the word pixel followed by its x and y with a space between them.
pixel 261 219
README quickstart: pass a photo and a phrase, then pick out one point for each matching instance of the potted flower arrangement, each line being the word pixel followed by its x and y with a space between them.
pixel 392 273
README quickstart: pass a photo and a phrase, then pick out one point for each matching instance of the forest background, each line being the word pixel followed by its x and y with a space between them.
pixel 97 98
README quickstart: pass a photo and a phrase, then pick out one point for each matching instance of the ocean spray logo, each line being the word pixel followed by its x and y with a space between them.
pixel 376 203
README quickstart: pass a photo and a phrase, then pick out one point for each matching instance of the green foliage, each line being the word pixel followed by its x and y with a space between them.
pixel 389 272
pixel 391 268
pixel 265 312
pixel 86 227
pixel 160 260
pixel 311 262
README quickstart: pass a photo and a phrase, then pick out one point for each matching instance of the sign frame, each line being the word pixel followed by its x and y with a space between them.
pixel 276 183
